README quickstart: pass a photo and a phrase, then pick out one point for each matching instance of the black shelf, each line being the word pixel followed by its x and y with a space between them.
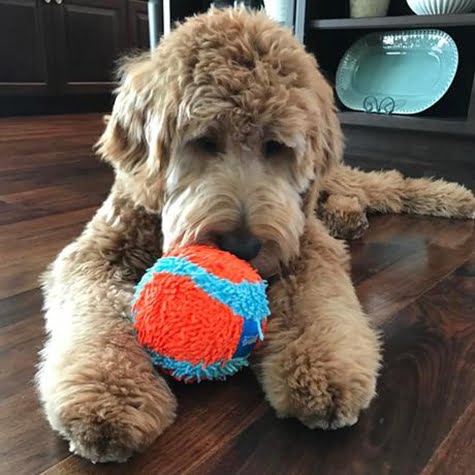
pixel 407 122
pixel 407 21
pixel 430 143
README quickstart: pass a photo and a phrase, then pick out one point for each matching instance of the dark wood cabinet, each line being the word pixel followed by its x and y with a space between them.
pixel 89 36
pixel 138 24
pixel 59 47
pixel 26 62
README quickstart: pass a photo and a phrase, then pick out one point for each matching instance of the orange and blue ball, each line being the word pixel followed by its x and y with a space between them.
pixel 199 312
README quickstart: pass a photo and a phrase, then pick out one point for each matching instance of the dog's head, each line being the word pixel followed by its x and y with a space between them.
pixel 226 130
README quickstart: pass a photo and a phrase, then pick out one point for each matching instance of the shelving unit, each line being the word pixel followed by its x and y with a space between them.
pixel 438 142
pixel 330 33
pixel 406 21
pixel 456 126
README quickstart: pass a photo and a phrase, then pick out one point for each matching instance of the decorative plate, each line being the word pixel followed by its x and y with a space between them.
pixel 441 7
pixel 401 72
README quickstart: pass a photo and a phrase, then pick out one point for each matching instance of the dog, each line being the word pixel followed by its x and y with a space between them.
pixel 226 135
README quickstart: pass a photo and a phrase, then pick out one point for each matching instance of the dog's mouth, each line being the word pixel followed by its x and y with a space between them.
pixel 260 262
pixel 264 255
pixel 267 263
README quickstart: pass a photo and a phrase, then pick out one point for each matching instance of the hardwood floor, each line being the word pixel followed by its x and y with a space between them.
pixel 415 277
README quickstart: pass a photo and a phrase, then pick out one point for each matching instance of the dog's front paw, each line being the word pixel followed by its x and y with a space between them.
pixel 109 424
pixel 108 439
pixel 329 394
pixel 107 403
pixel 322 391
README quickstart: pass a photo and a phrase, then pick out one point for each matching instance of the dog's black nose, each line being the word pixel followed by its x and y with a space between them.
pixel 240 243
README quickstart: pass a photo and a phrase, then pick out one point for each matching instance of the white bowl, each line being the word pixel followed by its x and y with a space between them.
pixel 440 7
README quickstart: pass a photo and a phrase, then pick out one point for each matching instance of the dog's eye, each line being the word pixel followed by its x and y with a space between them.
pixel 207 145
pixel 273 148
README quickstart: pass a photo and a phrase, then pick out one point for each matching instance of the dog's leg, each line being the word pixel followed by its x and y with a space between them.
pixel 344 216
pixel 320 357
pixel 390 192
pixel 96 384
pixel 437 198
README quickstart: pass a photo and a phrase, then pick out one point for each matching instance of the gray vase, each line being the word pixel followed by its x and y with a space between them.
pixel 368 8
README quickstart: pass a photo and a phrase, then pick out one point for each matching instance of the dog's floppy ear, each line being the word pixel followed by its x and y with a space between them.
pixel 325 140
pixel 328 142
pixel 135 132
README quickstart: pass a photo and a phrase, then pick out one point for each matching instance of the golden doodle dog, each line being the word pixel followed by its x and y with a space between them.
pixel 227 135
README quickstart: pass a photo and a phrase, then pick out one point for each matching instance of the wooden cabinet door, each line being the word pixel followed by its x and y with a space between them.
pixel 138 25
pixel 90 35
pixel 26 59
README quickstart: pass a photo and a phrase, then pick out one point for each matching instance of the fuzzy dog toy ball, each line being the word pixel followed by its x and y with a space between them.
pixel 199 312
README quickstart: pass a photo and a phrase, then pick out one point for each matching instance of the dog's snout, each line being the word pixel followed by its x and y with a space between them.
pixel 240 243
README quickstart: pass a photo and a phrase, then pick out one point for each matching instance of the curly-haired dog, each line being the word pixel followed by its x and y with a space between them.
pixel 223 135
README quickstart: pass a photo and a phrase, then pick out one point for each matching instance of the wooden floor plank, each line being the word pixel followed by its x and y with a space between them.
pixel 57 199
pixel 391 238
pixel 24 261
pixel 412 261
pixel 27 445
pixel 456 455
pixel 50 186
pixel 74 170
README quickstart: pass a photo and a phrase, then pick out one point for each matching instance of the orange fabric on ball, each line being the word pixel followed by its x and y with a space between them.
pixel 219 263
pixel 185 323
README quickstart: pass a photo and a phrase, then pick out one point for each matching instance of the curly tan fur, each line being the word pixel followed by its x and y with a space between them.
pixel 348 194
pixel 97 386
pixel 241 81
pixel 344 216
pixel 320 357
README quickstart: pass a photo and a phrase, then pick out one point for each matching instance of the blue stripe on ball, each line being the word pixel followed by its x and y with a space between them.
pixel 187 371
pixel 246 299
